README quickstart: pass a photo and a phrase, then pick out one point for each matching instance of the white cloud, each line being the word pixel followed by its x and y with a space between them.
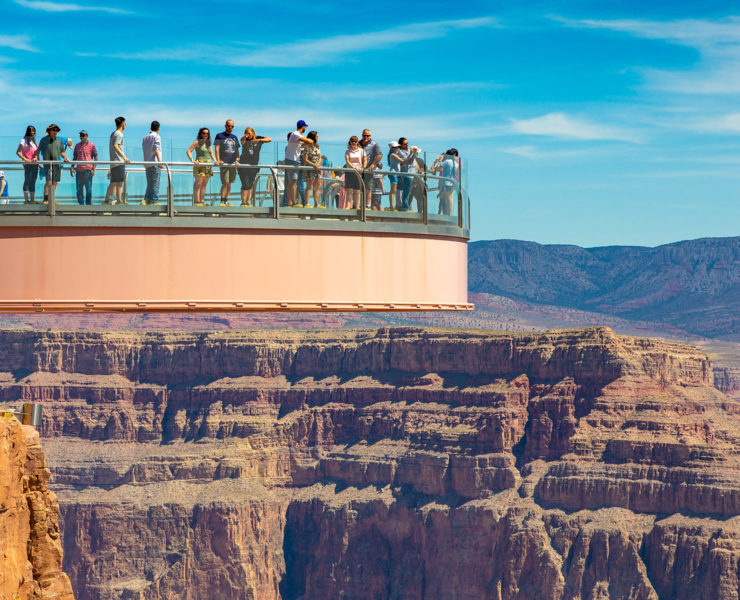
pixel 17 42
pixel 716 41
pixel 560 125
pixel 46 6
pixel 314 52
pixel 535 153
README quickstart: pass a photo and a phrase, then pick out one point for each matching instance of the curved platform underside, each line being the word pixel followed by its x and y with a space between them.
pixel 104 269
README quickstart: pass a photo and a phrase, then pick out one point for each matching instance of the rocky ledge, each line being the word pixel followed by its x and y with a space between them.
pixel 30 546
pixel 387 463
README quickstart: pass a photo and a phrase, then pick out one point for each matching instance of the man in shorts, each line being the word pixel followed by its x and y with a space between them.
pixel 117 170
pixel 227 155
pixel 373 155
pixel 51 148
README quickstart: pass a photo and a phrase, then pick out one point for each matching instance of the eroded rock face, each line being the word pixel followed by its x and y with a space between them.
pixel 389 463
pixel 30 547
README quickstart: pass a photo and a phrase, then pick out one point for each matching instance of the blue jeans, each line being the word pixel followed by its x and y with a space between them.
pixel 152 184
pixel 404 186
pixel 300 186
pixel 84 186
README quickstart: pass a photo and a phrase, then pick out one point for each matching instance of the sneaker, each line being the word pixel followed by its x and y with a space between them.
pixel 145 203
pixel 199 204
pixel 245 204
pixel 225 203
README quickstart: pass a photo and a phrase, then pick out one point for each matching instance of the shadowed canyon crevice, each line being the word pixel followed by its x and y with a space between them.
pixel 385 463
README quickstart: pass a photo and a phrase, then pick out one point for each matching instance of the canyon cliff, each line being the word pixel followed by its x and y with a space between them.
pixel 30 545
pixel 385 463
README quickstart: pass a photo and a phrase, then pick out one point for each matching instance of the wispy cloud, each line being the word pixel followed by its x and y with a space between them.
pixel 716 41
pixel 535 153
pixel 46 6
pixel 17 42
pixel 560 125
pixel 314 52
pixel 696 33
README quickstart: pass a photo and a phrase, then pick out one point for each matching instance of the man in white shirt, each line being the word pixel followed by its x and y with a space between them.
pixel 292 158
pixel 152 147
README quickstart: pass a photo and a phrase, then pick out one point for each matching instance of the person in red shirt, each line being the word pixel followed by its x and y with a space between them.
pixel 84 150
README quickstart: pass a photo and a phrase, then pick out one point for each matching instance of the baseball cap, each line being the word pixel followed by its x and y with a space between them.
pixel 301 123
pixel 83 132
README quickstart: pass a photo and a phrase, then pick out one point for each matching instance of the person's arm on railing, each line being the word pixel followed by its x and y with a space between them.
pixel 217 158
pixel 94 154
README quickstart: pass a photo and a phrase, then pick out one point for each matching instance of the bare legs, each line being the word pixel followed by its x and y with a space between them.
pixel 312 184
pixel 114 189
pixel 199 190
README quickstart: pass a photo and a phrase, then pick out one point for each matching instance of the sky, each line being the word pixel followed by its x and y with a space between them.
pixel 580 122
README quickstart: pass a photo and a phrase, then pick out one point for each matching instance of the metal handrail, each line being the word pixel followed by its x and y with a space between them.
pixel 275 172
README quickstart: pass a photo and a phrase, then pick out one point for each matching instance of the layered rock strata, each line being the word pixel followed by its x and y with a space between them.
pixel 30 546
pixel 388 463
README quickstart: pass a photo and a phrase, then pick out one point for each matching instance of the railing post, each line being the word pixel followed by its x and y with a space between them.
pixel 460 219
pixel 362 194
pixel 275 199
pixel 52 189
pixel 170 193
pixel 425 201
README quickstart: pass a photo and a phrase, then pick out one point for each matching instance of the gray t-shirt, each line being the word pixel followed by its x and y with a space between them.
pixel 372 151
pixel 116 138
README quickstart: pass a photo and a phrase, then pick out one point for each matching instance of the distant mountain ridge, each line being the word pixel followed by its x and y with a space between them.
pixel 693 285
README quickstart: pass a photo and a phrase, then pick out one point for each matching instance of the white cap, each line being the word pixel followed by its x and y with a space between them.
pixel 2 173
pixel 393 144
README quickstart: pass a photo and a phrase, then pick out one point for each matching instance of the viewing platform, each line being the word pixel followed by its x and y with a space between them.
pixel 63 256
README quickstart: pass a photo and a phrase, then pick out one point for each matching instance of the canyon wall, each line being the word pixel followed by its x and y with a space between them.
pixel 385 463
pixel 30 546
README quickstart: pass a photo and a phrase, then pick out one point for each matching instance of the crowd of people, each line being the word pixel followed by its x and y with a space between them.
pixel 304 168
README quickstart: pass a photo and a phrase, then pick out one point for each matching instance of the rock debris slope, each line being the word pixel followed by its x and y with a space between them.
pixel 30 547
pixel 398 463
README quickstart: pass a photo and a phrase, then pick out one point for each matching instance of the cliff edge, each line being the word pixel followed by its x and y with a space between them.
pixel 30 546
pixel 388 463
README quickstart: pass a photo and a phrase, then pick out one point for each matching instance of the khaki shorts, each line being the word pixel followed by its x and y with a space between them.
pixel 228 173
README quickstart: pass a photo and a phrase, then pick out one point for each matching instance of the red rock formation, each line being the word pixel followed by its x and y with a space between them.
pixel 30 548
pixel 390 463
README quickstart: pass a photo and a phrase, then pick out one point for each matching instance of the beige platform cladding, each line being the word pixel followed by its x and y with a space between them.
pixel 94 268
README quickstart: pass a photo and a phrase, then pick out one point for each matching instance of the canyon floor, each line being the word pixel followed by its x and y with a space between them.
pixel 395 462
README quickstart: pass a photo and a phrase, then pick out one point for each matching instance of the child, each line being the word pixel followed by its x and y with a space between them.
pixel 3 189
pixel 378 191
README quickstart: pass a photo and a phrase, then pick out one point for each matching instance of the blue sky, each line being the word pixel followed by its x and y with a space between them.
pixel 588 123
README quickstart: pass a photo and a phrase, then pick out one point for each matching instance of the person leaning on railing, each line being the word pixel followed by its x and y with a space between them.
pixel 354 158
pixel 250 155
pixel 311 157
pixel 202 170
pixel 117 171
pixel 27 153
pixel 51 148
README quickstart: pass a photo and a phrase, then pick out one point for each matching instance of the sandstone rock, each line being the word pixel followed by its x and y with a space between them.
pixel 30 547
